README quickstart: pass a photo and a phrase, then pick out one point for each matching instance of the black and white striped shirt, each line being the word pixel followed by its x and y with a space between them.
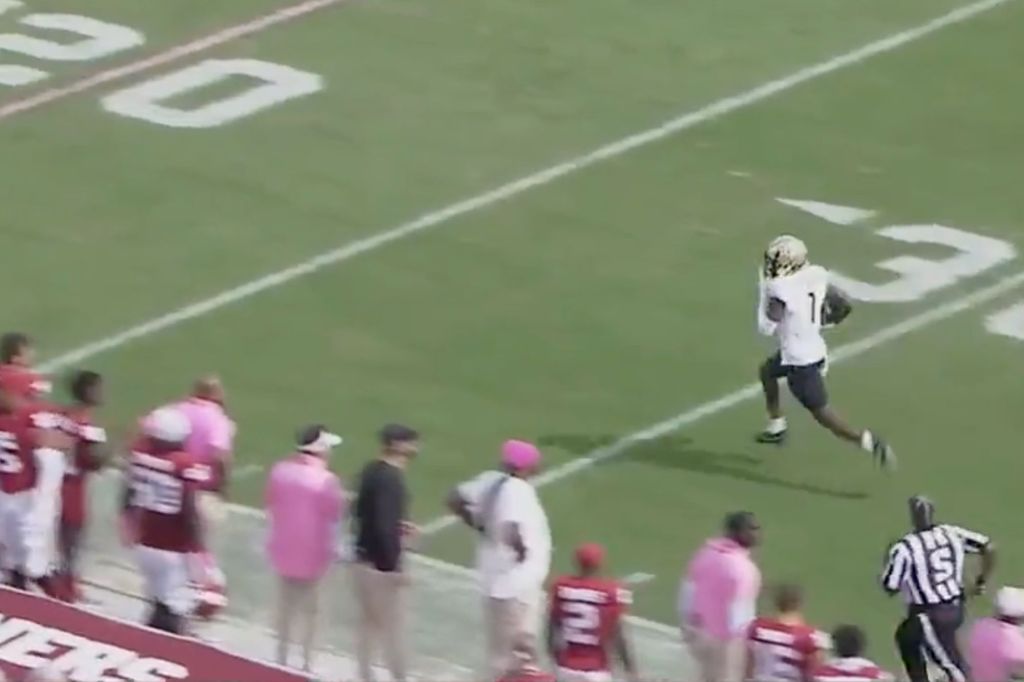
pixel 928 565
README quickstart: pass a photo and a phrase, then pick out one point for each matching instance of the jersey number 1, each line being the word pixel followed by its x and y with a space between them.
pixel 815 314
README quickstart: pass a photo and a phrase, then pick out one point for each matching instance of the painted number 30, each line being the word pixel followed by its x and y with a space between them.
pixel 259 84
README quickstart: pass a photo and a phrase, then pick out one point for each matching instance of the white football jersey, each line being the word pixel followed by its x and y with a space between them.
pixel 799 332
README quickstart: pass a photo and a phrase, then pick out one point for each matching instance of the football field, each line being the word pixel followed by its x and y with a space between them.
pixel 513 218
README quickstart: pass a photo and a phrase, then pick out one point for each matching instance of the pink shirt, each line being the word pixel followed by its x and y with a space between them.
pixel 996 650
pixel 304 502
pixel 212 437
pixel 719 593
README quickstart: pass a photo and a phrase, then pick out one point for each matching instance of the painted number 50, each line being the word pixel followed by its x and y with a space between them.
pixel 973 254
pixel 274 84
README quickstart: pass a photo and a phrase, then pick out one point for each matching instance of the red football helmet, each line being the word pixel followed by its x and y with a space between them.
pixel 210 585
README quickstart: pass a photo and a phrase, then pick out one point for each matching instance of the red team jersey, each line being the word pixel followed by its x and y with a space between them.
pixel 17 445
pixel 83 461
pixel 162 486
pixel 586 613
pixel 851 670
pixel 782 653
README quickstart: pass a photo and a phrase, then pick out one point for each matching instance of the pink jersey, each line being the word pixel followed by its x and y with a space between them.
pixel 211 439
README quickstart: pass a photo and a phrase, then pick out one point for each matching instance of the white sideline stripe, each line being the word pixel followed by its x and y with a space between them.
pixel 709 409
pixel 540 178
pixel 171 55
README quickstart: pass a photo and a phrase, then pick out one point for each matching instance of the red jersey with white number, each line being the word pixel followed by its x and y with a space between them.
pixel 163 486
pixel 586 613
pixel 18 471
pixel 851 670
pixel 82 461
pixel 782 652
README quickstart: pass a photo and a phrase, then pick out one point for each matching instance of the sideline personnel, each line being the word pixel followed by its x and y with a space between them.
pixel 382 528
pixel 513 549
pixel 718 599
pixel 304 501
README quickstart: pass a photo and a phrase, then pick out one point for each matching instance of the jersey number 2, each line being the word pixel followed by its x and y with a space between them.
pixel 580 623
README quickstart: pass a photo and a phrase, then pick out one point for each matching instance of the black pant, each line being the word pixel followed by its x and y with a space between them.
pixel 931 632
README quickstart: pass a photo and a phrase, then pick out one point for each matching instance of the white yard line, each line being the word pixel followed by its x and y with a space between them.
pixel 711 408
pixel 173 54
pixel 433 219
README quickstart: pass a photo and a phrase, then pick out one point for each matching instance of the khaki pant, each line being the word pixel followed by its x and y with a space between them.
pixel 510 621
pixel 717 660
pixel 297 600
pixel 381 621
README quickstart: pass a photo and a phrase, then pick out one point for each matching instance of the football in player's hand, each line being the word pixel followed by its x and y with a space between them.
pixel 837 307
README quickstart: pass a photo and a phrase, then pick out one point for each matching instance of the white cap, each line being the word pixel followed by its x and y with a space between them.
pixel 168 424
pixel 1010 602
pixel 317 439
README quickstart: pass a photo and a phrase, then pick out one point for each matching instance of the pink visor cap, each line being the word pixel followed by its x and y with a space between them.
pixel 519 455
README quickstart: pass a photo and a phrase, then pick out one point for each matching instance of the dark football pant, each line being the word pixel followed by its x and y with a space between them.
pixel 805 381
pixel 929 634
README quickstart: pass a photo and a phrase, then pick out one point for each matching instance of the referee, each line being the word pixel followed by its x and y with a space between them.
pixel 382 529
pixel 927 566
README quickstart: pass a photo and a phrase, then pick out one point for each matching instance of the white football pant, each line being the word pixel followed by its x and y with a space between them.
pixel 166 577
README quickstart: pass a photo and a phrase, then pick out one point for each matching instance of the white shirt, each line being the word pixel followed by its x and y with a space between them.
pixel 799 331
pixel 502 575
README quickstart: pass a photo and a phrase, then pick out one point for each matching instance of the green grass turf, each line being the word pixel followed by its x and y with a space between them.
pixel 580 311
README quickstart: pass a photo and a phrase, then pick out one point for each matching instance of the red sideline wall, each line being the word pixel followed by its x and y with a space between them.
pixel 35 631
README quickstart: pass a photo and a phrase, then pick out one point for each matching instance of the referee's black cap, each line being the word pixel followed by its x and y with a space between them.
pixel 392 434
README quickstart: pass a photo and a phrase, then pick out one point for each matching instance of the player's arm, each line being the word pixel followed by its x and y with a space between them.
pixel 764 326
pixel 776 309
pixel 552 630
pixel 459 506
pixel 896 567
pixel 837 306
pixel 514 538
pixel 815 644
pixel 625 651
pixel 982 545
pixel 748 653
pixel 190 517
pixel 50 442
pixel 94 451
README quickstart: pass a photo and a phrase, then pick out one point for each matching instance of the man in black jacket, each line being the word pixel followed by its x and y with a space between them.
pixel 382 529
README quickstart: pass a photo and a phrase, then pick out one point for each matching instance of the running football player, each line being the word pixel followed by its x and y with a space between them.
pixel 795 302
pixel 585 625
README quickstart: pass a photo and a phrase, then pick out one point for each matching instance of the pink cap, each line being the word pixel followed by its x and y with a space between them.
pixel 518 454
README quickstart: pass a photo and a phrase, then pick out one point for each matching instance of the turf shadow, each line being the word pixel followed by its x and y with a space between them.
pixel 678 452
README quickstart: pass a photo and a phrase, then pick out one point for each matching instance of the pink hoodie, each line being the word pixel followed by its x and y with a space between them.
pixel 719 592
